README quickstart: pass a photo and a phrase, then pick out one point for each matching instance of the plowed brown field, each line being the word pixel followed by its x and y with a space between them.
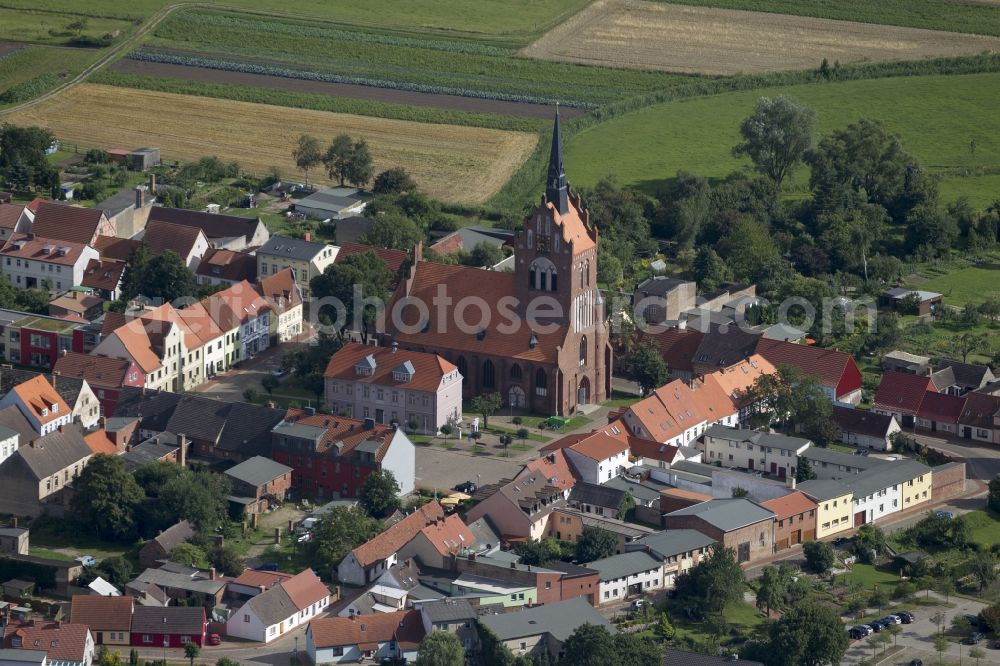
pixel 453 163
pixel 652 35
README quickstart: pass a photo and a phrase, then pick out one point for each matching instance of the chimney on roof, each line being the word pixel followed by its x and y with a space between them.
pixel 152 184
pixel 140 198
pixel 60 427
pixel 395 346
pixel 183 443
pixel 211 573
pixel 308 237
pixel 790 482
pixel 13 521
pixel 513 566
pixel 62 352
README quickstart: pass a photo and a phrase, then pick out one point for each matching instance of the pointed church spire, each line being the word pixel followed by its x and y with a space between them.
pixel 556 191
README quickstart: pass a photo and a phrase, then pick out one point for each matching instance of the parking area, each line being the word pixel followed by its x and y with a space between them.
pixel 917 638
pixel 442 469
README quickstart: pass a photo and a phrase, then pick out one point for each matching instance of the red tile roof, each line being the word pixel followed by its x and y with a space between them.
pixel 9 215
pixel 901 392
pixel 565 442
pixel 554 467
pixel 367 631
pixel 398 535
pixel 941 407
pixel 442 329
pixel 213 225
pixel 254 578
pixel 349 433
pixel 280 290
pixel 449 535
pixel 102 613
pixel 677 346
pixel 429 369
pixel 103 274
pixel 180 239
pixel 791 504
pixel 99 442
pixel 62 641
pixel 112 247
pixel 46 249
pixel 305 588
pixel 829 365
pixel 645 448
pixel 393 259
pixel 600 445
pixel 235 305
pixel 228 265
pixel 979 410
pixel 38 396
pixel 67 223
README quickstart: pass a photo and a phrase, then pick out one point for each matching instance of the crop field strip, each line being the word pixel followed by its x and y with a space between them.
pixel 426 64
pixel 647 147
pixel 973 16
pixel 510 20
pixel 455 164
pixel 29 71
pixel 649 35
pixel 384 95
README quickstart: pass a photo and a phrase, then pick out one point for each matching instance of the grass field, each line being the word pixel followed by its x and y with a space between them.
pixel 457 66
pixel 630 33
pixel 958 15
pixel 963 283
pixel 985 528
pixel 869 576
pixel 459 164
pixel 35 61
pixel 936 116
pixel 519 19
pixel 46 27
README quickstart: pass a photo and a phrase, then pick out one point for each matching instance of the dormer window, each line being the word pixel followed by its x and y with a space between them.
pixel 45 412
pixel 404 373
pixel 55 408
pixel 366 366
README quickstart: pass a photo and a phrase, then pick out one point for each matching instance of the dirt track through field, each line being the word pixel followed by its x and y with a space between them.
pixel 650 35
pixel 386 95
pixel 452 163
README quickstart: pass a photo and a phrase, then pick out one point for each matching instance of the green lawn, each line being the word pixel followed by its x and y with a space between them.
pixel 936 116
pixel 956 15
pixel 35 61
pixel 967 284
pixel 981 191
pixel 508 19
pixel 49 554
pixel 48 534
pixel 985 527
pixel 45 27
pixel 869 576
pixel 742 616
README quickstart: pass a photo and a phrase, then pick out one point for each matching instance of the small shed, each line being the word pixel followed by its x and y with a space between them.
pixel 906 560
pixel 18 588
pixel 141 159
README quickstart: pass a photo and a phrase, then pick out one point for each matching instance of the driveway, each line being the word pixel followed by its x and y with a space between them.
pixel 982 460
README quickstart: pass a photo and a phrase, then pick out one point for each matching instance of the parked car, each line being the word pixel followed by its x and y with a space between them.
pixel 892 619
pixel 469 488
pixel 214 639
pixel 638 604
pixel 996 644
pixel 859 631
pixel 268 566
pixel 972 619
pixel 974 638
pixel 87 560
pixel 279 372
pixel 876 626
pixel 945 514
pixel 906 616
pixel 916 662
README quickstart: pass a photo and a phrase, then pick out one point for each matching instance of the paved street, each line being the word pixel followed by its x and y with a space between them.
pixel 982 460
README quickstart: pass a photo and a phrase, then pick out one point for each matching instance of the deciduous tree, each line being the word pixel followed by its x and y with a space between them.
pixel 441 648
pixel 307 154
pixel 819 556
pixel 339 531
pixel 777 135
pixel 486 404
pixel 393 181
pixel 595 543
pixel 106 497
pixel 710 585
pixel 808 634
pixel 646 366
pixel 380 493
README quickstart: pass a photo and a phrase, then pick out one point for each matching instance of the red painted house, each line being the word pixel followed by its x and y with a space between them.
pixel 106 376
pixel 37 340
pixel 331 456
pixel 169 626
pixel 838 374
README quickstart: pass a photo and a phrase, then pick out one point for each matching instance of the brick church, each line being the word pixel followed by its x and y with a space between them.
pixel 536 335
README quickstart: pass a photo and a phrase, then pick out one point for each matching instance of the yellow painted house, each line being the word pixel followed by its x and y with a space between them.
pixel 306 258
pixel 834 501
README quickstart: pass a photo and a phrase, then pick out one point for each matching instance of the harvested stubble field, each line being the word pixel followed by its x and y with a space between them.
pixel 457 164
pixel 636 34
